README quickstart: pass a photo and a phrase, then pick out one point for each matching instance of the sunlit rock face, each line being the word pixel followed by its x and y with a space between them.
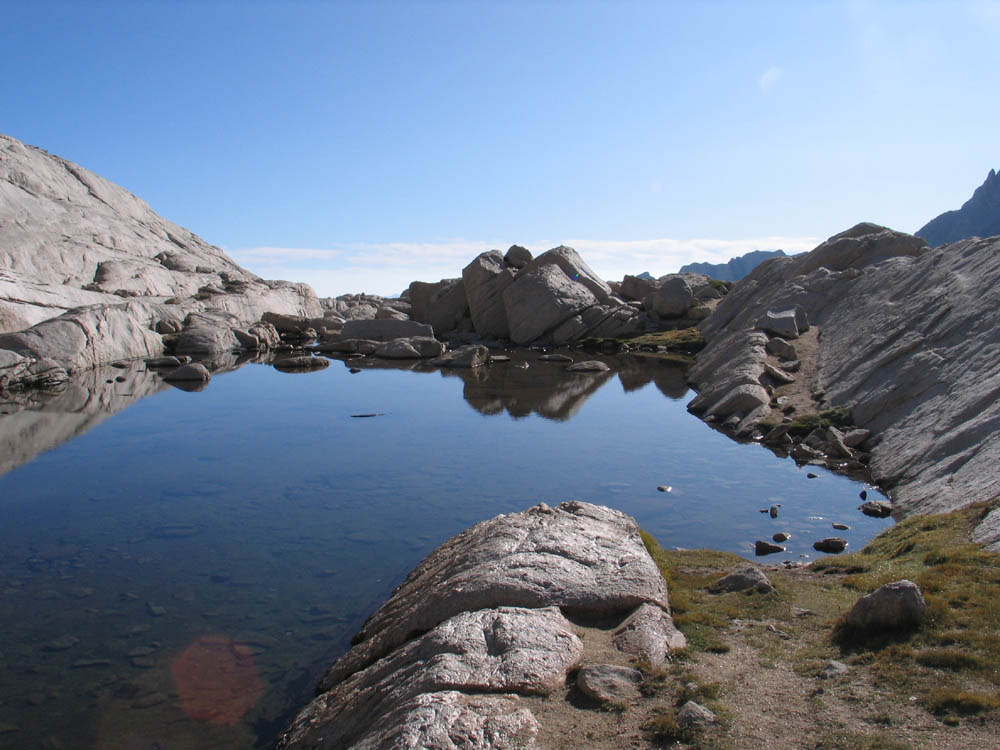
pixel 90 274
pixel 908 341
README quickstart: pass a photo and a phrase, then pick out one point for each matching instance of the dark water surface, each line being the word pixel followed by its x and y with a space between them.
pixel 179 576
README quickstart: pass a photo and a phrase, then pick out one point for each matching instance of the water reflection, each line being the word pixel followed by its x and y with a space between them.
pixel 254 525
pixel 523 384
pixel 36 420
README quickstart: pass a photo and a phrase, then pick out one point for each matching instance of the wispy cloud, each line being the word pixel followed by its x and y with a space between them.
pixel 770 79
pixel 388 268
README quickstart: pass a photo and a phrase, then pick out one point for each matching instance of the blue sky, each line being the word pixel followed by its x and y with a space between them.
pixel 361 145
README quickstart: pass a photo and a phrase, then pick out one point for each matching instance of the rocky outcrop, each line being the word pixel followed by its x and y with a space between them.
pixel 978 217
pixel 734 269
pixel 89 274
pixel 907 343
pixel 487 613
pixel 553 299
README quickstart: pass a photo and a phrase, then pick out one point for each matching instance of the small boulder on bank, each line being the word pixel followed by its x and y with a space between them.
pixel 742 580
pixel 694 716
pixel 609 683
pixel 649 634
pixel 896 606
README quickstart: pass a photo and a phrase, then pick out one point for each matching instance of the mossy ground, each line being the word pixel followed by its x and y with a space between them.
pixel 949 668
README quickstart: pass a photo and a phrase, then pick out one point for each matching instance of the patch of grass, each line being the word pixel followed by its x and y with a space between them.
pixel 722 286
pixel 663 728
pixel 855 741
pixel 681 341
pixel 952 661
pixel 956 661
pixel 945 700
pixel 803 424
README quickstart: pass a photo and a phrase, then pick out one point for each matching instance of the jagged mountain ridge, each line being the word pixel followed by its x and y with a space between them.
pixel 735 269
pixel 978 217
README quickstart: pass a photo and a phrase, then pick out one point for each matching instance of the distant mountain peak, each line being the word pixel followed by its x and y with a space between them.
pixel 735 269
pixel 978 217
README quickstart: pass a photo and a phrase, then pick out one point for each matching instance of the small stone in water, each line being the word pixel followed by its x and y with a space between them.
pixel 841 527
pixel 665 488
pixel 766 548
pixel 62 643
pixel 810 475
pixel 773 511
pixel 863 494
pixel 782 536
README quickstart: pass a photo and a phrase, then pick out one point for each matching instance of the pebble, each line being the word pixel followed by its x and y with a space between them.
pixel 841 527
pixel 773 511
pixel 863 494
pixel 810 475
pixel 665 488
pixel 782 536
pixel 354 371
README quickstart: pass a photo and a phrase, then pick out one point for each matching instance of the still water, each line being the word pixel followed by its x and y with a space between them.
pixel 177 569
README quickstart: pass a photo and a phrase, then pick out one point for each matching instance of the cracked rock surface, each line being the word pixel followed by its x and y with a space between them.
pixel 908 343
pixel 484 619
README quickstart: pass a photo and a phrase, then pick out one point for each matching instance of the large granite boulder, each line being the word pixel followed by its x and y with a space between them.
pixel 501 650
pixel 671 298
pixel 89 336
pixel 442 305
pixel 485 280
pixel 581 557
pixel 542 298
pixel 490 612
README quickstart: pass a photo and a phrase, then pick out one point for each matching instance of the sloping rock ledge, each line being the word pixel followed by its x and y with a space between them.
pixel 484 619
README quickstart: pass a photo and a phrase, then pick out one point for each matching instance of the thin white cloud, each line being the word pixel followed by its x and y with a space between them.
pixel 770 79
pixel 388 268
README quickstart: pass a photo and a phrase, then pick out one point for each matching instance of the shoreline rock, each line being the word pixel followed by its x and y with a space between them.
pixel 503 589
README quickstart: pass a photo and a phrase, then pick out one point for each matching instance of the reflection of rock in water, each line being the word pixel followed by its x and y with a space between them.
pixel 548 390
pixel 37 420
pixel 637 371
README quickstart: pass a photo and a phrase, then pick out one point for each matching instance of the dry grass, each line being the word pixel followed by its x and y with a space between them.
pixel 949 666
